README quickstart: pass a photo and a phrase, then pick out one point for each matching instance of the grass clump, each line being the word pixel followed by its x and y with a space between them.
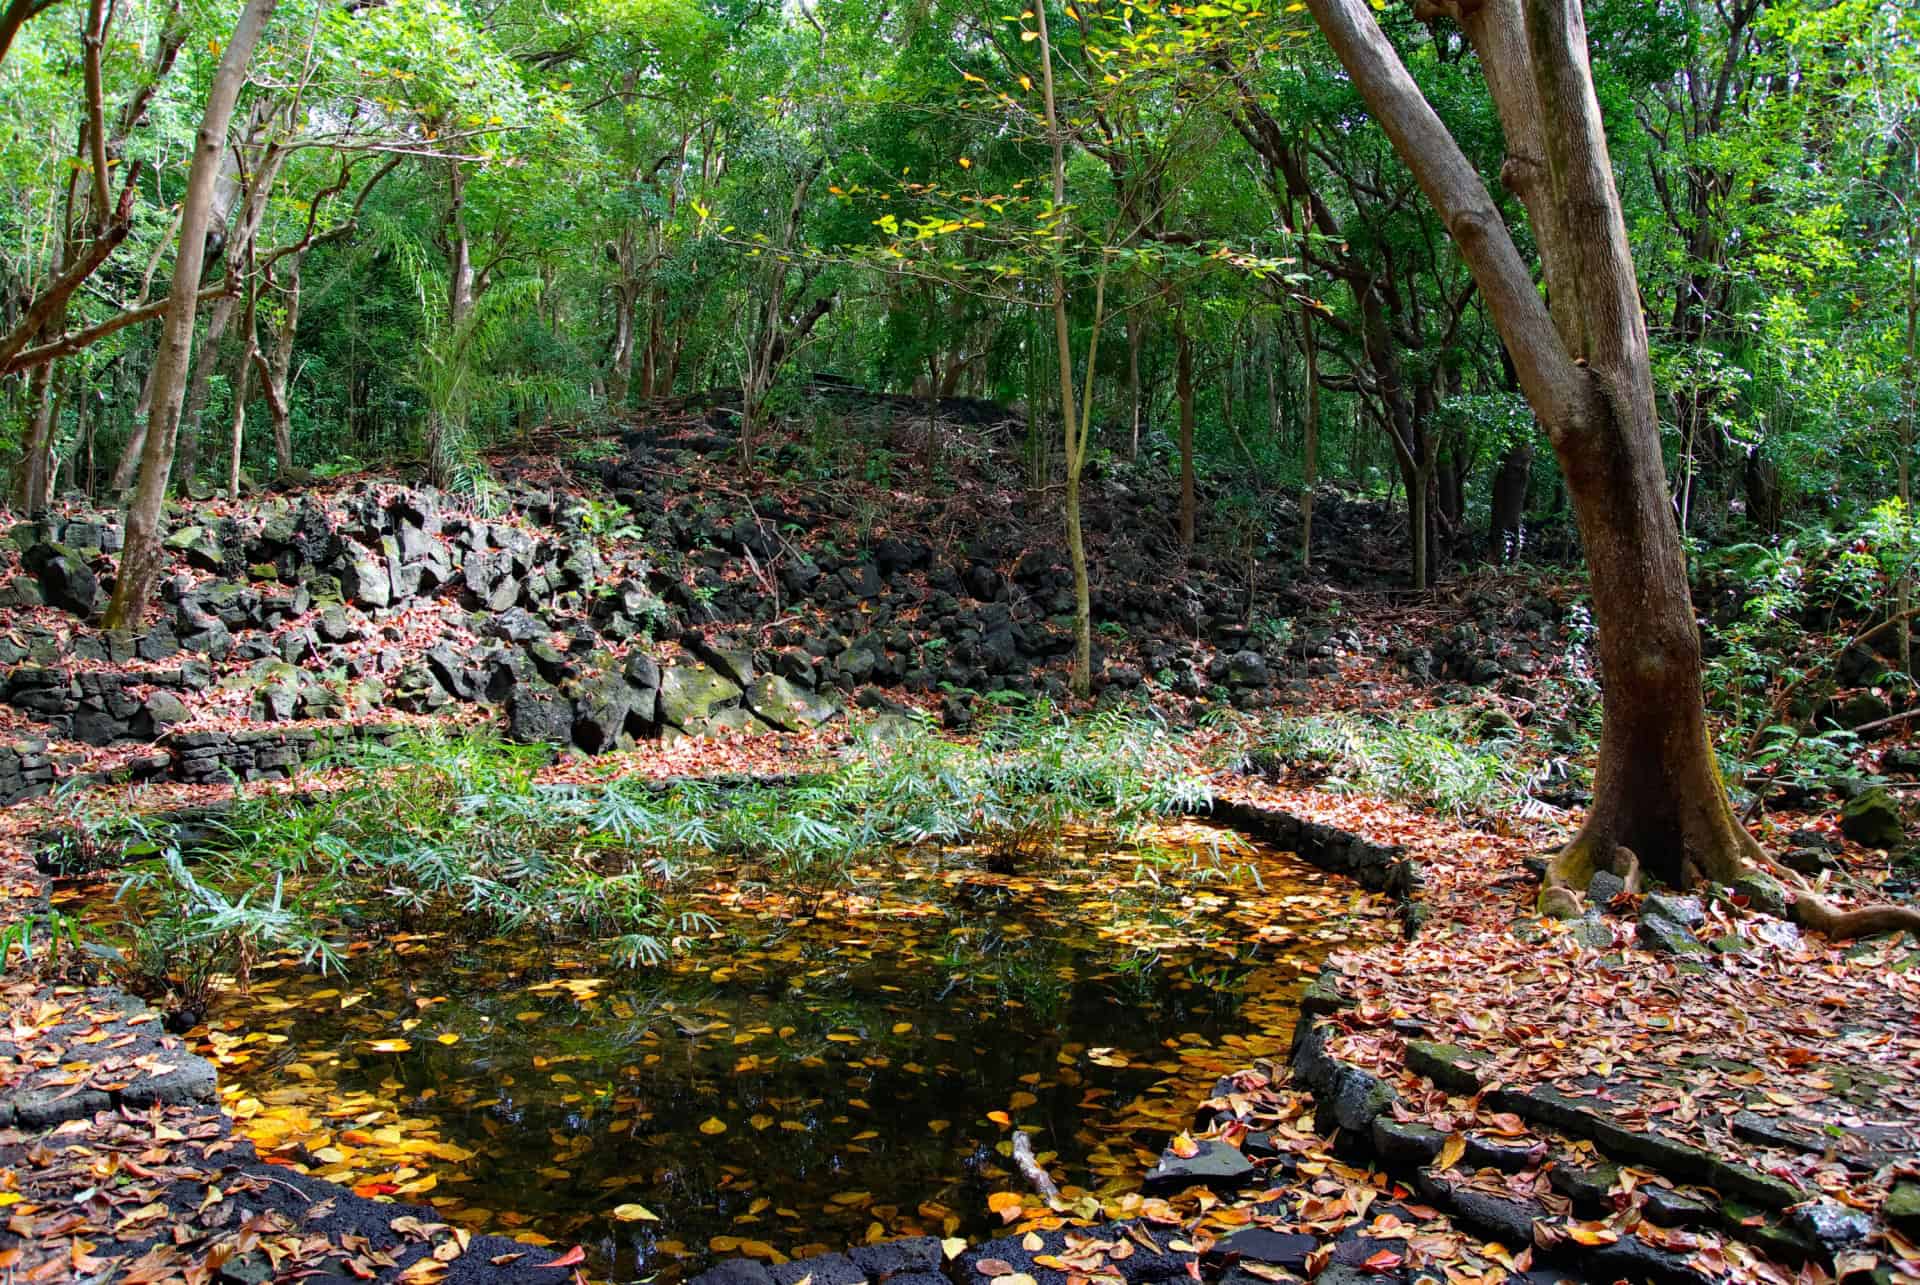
pixel 1461 761
pixel 446 830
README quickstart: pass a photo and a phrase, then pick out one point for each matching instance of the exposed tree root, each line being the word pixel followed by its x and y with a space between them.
pixel 1573 868
pixel 1816 913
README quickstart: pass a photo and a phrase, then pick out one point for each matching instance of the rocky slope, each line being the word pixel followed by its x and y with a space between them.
pixel 620 590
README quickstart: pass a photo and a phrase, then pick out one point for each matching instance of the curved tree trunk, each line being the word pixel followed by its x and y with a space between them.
pixel 1659 803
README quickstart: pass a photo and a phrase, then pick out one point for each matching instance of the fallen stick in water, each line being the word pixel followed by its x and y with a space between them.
pixel 1028 1166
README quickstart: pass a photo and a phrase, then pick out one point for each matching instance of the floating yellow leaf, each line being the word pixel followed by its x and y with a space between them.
pixel 631 1213
pixel 713 1125
pixel 447 1037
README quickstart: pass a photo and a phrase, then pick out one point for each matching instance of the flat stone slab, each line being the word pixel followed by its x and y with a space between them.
pixel 1264 1245
pixel 1215 1164
pixel 75 1052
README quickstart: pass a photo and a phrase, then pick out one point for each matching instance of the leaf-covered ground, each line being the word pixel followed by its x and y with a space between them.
pixel 1781 1052
pixel 1788 1030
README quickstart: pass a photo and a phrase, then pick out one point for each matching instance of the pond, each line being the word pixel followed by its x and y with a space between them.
pixel 803 1076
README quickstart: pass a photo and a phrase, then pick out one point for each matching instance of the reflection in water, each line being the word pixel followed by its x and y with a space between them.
pixel 789 1084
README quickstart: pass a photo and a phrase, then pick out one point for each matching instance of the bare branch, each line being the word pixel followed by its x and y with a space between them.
pixel 72 343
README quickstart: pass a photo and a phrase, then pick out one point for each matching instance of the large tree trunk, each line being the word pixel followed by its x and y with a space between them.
pixel 1659 803
pixel 143 555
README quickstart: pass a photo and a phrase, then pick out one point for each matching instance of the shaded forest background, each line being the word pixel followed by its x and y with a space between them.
pixel 436 226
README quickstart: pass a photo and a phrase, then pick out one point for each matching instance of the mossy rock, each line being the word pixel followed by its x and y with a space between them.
pixel 1448 1065
pixel 1872 817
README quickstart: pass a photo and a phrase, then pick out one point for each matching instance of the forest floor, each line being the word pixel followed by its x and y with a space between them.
pixel 1787 1057
pixel 1665 1090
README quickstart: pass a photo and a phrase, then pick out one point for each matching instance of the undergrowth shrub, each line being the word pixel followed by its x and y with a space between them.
pixel 449 828
pixel 1452 760
pixel 1805 611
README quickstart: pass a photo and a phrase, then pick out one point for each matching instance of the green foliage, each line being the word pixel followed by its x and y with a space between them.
pixel 1456 760
pixel 442 829
pixel 46 941
pixel 191 932
pixel 1793 614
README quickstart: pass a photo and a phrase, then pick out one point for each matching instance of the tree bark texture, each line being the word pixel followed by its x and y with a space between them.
pixel 1660 805
pixel 143 555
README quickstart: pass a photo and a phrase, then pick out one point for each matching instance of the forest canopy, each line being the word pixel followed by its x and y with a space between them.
pixel 439 222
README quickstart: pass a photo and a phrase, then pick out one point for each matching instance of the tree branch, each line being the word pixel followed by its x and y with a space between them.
pixel 1547 372
pixel 15 16
pixel 74 342
pixel 91 42
pixel 57 293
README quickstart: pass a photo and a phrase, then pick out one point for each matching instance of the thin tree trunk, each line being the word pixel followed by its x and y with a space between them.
pixel 1310 433
pixel 1183 389
pixel 31 477
pixel 200 387
pixel 1904 603
pixel 656 379
pixel 236 429
pixel 1508 506
pixel 143 555
pixel 1073 426
pixel 128 465
pixel 278 376
pixel 620 370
